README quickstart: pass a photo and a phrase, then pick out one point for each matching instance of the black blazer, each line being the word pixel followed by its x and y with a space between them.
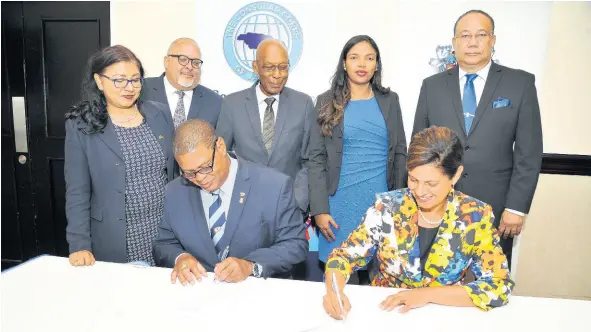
pixel 326 153
pixel 95 184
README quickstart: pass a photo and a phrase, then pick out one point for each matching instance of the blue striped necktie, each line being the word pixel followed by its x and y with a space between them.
pixel 217 220
pixel 469 101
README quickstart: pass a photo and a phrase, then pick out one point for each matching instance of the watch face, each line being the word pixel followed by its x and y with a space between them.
pixel 256 270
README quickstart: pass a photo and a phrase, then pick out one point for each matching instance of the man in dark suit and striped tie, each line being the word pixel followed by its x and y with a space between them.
pixel 226 215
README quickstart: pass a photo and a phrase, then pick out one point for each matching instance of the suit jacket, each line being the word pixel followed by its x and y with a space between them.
pixel 326 153
pixel 240 126
pixel 263 224
pixel 205 104
pixel 95 184
pixel 496 172
pixel 466 239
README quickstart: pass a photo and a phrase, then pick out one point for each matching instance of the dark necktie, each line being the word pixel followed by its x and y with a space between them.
pixel 269 124
pixel 469 101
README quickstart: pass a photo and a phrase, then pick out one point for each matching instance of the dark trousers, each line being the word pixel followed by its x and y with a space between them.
pixel 507 245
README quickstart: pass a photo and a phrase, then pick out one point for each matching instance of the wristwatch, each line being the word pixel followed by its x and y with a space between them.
pixel 257 270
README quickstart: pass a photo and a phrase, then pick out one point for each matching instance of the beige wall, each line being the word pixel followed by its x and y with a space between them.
pixel 555 248
pixel 565 96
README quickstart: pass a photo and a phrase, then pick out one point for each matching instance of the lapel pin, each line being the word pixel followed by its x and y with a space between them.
pixel 241 200
pixel 242 194
pixel 160 137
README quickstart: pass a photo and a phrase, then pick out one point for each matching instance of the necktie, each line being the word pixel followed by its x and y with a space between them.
pixel 469 101
pixel 269 124
pixel 217 221
pixel 179 112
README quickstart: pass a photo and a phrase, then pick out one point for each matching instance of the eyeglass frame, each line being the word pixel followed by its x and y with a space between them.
pixel 466 38
pixel 272 68
pixel 140 80
pixel 189 175
pixel 178 57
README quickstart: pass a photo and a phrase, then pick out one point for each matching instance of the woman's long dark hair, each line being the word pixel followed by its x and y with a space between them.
pixel 91 110
pixel 333 107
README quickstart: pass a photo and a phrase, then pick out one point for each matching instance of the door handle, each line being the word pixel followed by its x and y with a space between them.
pixel 19 119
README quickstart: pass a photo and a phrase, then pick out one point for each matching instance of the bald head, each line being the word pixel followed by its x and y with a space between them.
pixel 192 133
pixel 271 46
pixel 182 42
pixel 182 64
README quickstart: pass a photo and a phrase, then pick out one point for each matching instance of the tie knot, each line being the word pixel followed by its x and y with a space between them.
pixel 181 93
pixel 471 77
pixel 270 101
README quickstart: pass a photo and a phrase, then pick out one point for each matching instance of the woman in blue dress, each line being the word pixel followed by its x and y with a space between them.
pixel 359 147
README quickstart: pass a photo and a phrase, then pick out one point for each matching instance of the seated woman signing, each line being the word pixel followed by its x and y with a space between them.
pixel 425 238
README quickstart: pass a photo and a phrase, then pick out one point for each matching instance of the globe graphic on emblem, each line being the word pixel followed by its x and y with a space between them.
pixel 253 30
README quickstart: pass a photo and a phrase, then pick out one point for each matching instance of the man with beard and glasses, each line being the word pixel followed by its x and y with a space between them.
pixel 179 88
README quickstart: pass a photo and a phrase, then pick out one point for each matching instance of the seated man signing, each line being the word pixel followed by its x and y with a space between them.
pixel 226 215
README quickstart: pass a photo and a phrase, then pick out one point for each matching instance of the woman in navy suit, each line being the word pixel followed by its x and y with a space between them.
pixel 118 159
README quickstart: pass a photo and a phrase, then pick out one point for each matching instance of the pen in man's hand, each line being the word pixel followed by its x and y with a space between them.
pixel 222 258
pixel 335 288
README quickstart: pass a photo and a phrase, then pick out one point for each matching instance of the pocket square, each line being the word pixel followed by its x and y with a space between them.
pixel 501 102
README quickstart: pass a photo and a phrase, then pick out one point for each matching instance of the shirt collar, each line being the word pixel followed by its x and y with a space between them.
pixel 482 73
pixel 261 96
pixel 171 90
pixel 228 185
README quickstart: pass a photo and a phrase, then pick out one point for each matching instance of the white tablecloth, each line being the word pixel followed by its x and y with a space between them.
pixel 47 294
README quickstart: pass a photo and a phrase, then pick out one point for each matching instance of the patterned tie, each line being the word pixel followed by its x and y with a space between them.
pixel 269 124
pixel 217 220
pixel 179 112
pixel 469 101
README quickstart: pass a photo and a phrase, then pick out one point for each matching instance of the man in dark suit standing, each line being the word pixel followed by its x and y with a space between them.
pixel 226 215
pixel 495 112
pixel 179 88
pixel 269 123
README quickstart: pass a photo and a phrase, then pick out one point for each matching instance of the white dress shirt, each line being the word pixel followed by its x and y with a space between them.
pixel 263 105
pixel 173 97
pixel 225 192
pixel 478 88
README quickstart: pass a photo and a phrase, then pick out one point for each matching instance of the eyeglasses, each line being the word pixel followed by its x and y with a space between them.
pixel 271 68
pixel 121 83
pixel 184 60
pixel 202 170
pixel 465 38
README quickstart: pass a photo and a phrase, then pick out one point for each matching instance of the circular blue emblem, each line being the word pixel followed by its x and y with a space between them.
pixel 251 25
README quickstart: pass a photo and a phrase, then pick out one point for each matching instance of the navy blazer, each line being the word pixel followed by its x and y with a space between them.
pixel 263 225
pixel 205 104
pixel 95 184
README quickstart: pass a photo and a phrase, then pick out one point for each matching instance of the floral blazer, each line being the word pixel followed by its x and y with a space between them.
pixel 466 239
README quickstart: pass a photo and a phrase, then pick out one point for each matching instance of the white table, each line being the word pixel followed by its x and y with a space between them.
pixel 47 294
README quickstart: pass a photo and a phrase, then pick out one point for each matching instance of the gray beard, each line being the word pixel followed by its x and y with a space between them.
pixel 186 85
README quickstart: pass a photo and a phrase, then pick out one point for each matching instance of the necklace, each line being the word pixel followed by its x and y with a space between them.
pixel 128 119
pixel 428 221
pixel 370 94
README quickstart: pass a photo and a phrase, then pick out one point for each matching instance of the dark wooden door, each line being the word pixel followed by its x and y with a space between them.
pixel 57 40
